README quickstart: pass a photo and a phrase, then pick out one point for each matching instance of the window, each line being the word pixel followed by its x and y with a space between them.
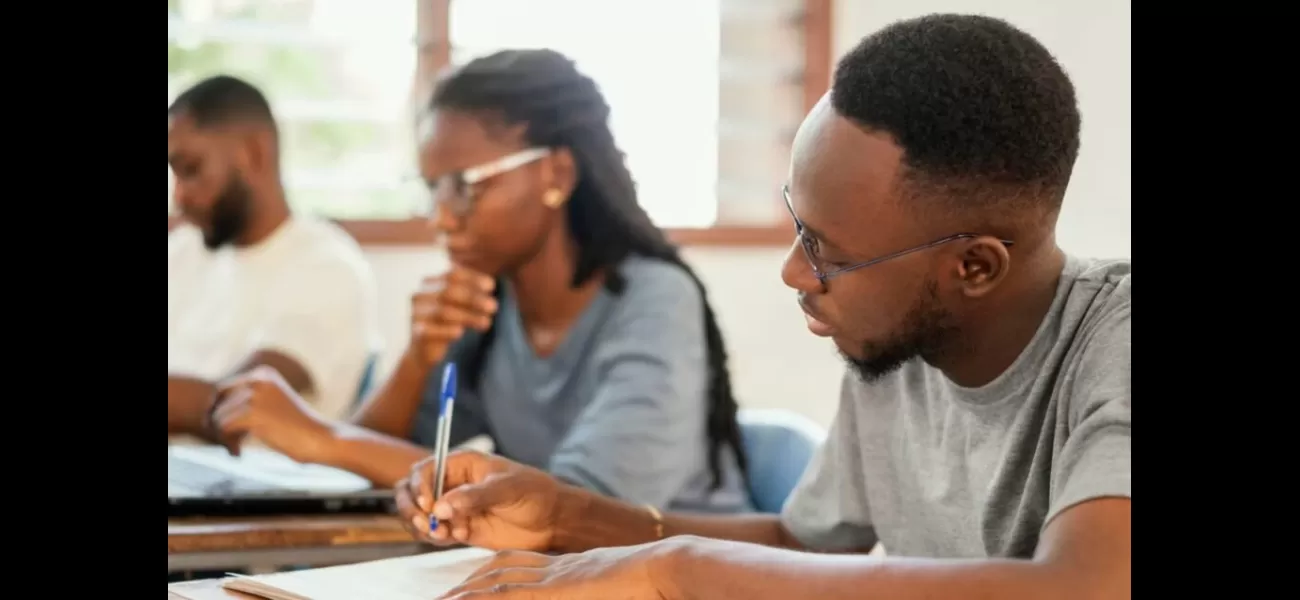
pixel 663 97
pixel 705 95
pixel 338 76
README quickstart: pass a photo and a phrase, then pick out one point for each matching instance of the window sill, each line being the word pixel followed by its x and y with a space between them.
pixel 416 232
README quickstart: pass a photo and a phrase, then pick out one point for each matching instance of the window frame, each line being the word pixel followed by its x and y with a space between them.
pixel 434 53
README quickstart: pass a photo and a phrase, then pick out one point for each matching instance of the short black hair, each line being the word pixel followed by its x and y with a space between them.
pixel 222 100
pixel 563 108
pixel 979 107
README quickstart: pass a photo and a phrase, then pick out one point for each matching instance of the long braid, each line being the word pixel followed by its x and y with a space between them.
pixel 563 108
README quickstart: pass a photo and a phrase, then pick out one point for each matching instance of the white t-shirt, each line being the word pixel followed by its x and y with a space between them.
pixel 305 292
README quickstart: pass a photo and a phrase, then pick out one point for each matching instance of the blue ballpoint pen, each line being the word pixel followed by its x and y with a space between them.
pixel 446 402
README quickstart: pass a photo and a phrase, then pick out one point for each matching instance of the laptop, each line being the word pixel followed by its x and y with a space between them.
pixel 208 481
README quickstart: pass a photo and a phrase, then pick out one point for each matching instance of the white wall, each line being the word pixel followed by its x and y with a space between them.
pixel 1091 39
pixel 775 361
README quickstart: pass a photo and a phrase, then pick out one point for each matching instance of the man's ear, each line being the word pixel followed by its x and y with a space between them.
pixel 984 264
pixel 256 150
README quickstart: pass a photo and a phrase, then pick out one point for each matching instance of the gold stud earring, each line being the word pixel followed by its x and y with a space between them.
pixel 553 198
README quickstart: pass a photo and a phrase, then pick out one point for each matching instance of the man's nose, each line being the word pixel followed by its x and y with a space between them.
pixel 797 272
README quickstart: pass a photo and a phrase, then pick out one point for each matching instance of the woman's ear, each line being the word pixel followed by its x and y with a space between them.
pixel 563 171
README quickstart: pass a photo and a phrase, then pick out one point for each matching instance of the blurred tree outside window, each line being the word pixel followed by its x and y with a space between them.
pixel 338 75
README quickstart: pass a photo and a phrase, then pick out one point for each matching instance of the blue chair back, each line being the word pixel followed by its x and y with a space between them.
pixel 367 381
pixel 779 444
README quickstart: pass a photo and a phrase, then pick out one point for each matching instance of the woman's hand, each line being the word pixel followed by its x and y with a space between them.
pixel 446 306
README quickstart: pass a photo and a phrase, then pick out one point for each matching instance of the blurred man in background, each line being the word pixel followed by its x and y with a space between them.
pixel 248 282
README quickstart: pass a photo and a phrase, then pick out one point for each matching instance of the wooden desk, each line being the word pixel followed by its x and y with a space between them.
pixel 230 543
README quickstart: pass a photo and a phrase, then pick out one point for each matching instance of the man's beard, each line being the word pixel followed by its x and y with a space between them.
pixel 229 215
pixel 927 328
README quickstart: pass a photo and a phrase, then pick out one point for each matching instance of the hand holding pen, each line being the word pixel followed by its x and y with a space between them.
pixel 488 502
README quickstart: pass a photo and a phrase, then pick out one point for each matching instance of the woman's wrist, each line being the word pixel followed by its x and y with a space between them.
pixel 327 447
pixel 413 364
pixel 381 459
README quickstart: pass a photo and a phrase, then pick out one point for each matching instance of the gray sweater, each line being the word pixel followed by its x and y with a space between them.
pixel 620 407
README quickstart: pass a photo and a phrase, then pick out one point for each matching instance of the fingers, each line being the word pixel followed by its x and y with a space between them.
pixel 470 466
pixel 460 506
pixel 461 297
pixel 499 583
pixel 233 414
pixel 464 471
pixel 232 419
pixel 259 374
pixel 232 442
pixel 464 467
pixel 511 559
pixel 419 490
pixel 415 521
pixel 422 476
pixel 469 303
pixel 510 574
pixel 441 535
pixel 448 305
pixel 231 384
pixel 425 471
pixel 475 311
pixel 458 277
pixel 473 298
pixel 457 507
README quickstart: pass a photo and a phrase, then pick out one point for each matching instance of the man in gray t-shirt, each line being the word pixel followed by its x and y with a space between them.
pixel 931 468
pixel 984 433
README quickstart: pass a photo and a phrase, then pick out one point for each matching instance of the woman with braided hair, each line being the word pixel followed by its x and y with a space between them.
pixel 586 345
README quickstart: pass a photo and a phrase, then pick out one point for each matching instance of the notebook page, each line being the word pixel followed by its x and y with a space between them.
pixel 409 577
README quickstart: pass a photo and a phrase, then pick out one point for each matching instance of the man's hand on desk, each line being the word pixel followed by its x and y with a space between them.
pixel 488 502
pixel 261 404
pixel 632 572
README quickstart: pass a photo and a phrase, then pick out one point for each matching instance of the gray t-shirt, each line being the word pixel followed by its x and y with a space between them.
pixel 932 469
pixel 620 407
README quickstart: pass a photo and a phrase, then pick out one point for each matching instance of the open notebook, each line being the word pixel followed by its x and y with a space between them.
pixel 422 576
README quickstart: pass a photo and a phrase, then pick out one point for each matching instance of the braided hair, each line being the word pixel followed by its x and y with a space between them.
pixel 562 108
